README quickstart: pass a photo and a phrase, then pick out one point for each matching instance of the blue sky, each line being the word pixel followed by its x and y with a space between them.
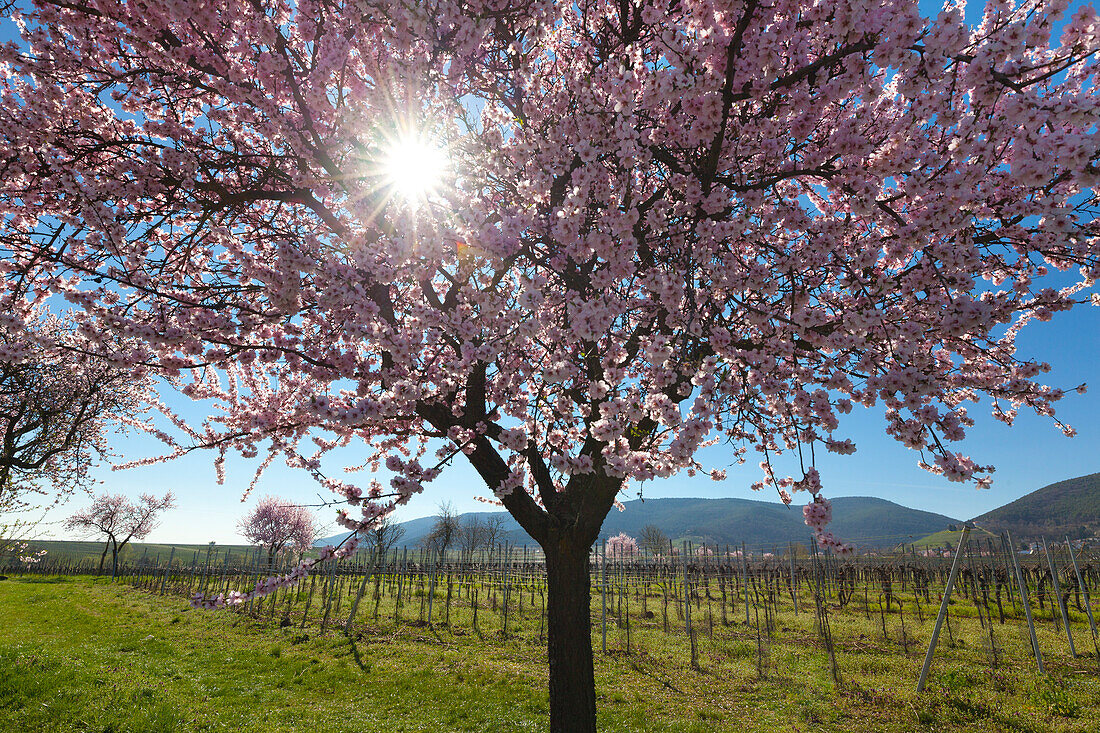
pixel 1029 455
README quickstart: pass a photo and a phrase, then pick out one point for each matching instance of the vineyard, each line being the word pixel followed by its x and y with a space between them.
pixel 1005 608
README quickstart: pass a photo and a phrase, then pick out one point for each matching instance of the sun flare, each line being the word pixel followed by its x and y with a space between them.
pixel 414 167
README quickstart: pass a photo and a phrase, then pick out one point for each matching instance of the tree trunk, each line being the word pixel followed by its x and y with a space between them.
pixel 569 640
pixel 114 561
pixel 103 557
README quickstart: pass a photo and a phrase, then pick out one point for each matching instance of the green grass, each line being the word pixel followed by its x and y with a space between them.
pixel 77 550
pixel 948 539
pixel 86 655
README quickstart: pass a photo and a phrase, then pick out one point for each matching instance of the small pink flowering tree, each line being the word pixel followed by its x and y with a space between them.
pixel 278 526
pixel 117 520
pixel 55 405
pixel 622 547
pixel 659 226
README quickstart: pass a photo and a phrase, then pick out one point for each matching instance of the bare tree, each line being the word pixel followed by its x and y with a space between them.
pixel 474 536
pixel 446 530
pixel 495 531
pixel 382 538
pixel 117 520
pixel 652 540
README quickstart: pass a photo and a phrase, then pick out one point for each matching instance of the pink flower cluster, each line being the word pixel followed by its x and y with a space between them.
pixel 818 513
pixel 19 548
pixel 621 546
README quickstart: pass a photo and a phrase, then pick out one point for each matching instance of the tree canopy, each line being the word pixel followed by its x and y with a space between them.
pixel 55 406
pixel 278 525
pixel 116 520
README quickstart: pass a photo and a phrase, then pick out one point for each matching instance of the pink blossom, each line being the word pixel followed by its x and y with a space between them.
pixel 278 525
pixel 622 546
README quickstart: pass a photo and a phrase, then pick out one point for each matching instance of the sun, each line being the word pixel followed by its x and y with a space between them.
pixel 414 167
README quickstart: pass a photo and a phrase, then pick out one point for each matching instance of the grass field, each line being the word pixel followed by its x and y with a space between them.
pixel 949 539
pixel 77 550
pixel 87 655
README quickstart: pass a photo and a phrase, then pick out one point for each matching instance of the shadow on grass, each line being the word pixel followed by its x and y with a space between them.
pixel 355 651
pixel 38 580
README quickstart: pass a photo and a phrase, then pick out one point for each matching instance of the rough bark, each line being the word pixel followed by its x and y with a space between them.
pixel 569 640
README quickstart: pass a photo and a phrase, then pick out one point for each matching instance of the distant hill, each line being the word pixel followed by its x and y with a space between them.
pixel 866 521
pixel 1068 507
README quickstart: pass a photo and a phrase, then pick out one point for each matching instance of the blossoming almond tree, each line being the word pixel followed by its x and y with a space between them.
pixel 622 547
pixel 278 525
pixel 571 243
pixel 117 520
pixel 55 406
